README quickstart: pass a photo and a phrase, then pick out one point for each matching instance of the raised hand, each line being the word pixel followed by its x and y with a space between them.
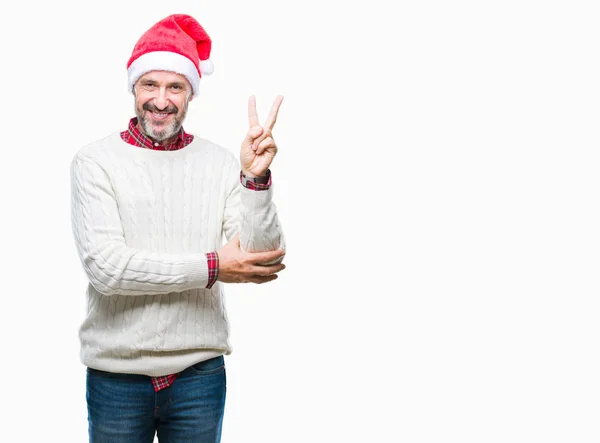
pixel 259 148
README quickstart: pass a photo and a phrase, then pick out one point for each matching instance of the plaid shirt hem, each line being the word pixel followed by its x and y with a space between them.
pixel 163 382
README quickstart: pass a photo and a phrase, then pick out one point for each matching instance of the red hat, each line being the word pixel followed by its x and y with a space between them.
pixel 178 44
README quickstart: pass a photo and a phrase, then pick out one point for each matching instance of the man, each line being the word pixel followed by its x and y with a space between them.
pixel 150 207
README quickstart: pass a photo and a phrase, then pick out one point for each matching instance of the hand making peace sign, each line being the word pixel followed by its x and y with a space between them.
pixel 259 148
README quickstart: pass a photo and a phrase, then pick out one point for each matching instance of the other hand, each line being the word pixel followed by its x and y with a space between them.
pixel 237 266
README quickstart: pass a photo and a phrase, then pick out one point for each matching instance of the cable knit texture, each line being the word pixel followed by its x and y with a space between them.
pixel 143 221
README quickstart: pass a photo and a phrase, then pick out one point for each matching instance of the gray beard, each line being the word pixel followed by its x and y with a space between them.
pixel 167 131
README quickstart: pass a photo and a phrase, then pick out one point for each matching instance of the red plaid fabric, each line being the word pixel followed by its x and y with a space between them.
pixel 213 268
pixel 163 382
pixel 135 137
pixel 256 183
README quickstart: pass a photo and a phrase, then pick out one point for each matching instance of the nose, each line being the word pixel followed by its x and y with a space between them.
pixel 161 100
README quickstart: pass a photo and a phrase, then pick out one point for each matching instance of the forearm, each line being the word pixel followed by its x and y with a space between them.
pixel 113 268
pixel 111 265
pixel 260 229
pixel 251 213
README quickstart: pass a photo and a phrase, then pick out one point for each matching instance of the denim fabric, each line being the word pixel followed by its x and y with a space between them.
pixel 123 408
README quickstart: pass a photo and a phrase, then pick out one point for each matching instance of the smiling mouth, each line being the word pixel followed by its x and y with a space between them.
pixel 160 115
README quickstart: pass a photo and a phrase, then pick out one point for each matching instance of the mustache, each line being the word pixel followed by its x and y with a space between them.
pixel 172 109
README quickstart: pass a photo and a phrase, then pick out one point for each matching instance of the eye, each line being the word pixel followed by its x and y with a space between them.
pixel 176 88
pixel 149 86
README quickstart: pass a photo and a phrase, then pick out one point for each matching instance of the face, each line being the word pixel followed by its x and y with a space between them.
pixel 161 101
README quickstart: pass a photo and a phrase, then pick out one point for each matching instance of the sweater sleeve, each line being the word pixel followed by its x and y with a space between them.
pixel 111 266
pixel 253 214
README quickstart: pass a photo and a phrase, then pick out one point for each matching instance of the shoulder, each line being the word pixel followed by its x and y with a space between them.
pixel 95 150
pixel 215 150
pixel 204 143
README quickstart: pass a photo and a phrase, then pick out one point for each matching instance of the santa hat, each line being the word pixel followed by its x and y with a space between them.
pixel 178 44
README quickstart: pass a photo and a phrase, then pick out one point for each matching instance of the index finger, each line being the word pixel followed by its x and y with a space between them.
pixel 272 118
pixel 252 115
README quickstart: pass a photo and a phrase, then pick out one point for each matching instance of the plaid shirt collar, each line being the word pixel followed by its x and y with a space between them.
pixel 135 137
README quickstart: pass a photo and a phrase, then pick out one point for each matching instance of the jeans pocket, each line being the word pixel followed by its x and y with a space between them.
pixel 209 367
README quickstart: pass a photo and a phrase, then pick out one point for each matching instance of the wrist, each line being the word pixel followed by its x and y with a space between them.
pixel 255 182
pixel 253 176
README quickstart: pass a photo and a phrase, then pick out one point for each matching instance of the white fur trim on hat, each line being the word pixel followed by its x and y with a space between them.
pixel 163 61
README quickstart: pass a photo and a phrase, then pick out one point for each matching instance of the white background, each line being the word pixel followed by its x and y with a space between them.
pixel 437 181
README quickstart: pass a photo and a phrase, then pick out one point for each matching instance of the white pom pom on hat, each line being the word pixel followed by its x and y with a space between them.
pixel 177 43
pixel 206 67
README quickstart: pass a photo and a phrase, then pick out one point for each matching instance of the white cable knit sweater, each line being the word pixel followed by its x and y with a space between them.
pixel 143 221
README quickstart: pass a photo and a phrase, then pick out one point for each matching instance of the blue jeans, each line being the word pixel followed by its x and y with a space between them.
pixel 123 408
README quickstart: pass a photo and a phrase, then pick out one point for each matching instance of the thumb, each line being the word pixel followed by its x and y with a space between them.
pixel 235 240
